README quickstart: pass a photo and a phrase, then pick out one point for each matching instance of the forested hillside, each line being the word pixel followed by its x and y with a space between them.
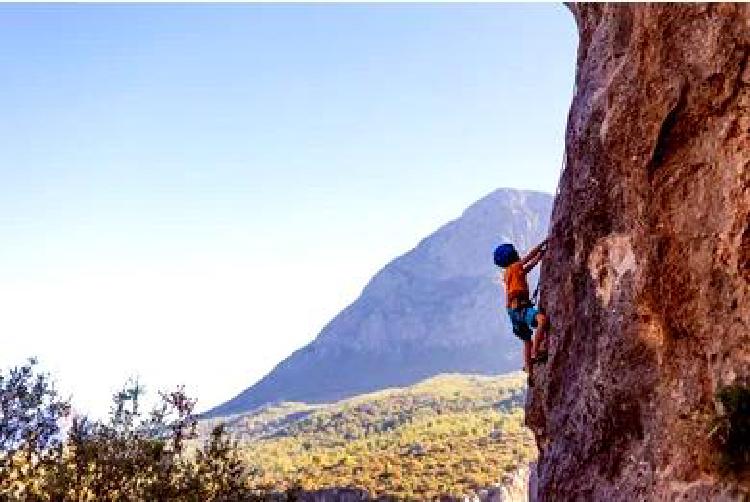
pixel 449 435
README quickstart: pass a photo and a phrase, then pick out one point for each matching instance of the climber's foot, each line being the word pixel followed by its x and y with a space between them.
pixel 530 381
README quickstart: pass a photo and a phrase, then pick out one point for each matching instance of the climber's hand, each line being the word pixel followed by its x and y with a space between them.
pixel 543 246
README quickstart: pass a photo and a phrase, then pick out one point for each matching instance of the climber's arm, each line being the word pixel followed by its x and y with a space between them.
pixel 534 257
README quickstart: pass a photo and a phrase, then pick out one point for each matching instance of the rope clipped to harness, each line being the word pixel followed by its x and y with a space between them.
pixel 535 295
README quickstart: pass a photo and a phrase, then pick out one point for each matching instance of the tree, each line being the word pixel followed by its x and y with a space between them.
pixel 30 441
pixel 131 456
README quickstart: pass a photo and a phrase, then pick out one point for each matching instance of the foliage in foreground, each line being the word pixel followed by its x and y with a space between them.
pixel 130 457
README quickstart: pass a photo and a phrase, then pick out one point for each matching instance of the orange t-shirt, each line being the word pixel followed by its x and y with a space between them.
pixel 515 283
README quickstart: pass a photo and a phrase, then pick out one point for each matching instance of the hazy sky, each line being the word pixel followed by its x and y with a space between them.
pixel 188 193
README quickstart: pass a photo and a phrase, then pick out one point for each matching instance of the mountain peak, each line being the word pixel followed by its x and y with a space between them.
pixel 437 308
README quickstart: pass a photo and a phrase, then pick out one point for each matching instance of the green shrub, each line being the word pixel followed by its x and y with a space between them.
pixel 131 456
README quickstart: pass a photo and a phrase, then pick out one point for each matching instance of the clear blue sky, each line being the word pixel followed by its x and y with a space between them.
pixel 215 182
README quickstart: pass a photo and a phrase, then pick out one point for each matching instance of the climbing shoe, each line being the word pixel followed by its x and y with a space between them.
pixel 541 357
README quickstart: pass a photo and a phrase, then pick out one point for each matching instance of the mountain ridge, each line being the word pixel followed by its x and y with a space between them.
pixel 435 309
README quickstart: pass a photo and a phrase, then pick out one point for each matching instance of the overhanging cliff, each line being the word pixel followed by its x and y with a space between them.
pixel 647 280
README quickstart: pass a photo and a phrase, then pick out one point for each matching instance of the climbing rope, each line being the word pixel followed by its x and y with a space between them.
pixel 535 295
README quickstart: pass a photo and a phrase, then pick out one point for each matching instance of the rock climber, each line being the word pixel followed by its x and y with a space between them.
pixel 523 314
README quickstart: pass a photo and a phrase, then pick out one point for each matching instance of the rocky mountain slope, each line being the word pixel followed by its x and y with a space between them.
pixel 648 276
pixel 436 309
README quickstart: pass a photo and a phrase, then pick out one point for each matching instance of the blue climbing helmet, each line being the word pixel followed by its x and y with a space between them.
pixel 505 254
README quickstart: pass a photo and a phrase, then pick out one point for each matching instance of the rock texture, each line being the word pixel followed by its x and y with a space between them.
pixel 513 488
pixel 648 276
pixel 437 309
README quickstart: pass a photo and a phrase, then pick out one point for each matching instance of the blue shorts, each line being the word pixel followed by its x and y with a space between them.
pixel 523 320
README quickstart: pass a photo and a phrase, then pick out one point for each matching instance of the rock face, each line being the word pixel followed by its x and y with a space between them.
pixel 513 488
pixel 437 309
pixel 648 276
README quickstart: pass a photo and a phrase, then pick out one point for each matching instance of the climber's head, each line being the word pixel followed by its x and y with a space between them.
pixel 505 255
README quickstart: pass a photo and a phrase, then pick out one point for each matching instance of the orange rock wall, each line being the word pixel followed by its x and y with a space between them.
pixel 647 281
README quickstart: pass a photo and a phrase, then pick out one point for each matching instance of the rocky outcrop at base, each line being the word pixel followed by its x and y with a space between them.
pixel 514 487
pixel 647 280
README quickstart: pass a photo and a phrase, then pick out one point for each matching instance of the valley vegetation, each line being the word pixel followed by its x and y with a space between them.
pixel 446 436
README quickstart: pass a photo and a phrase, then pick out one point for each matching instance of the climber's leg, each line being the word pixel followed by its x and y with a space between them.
pixel 519 318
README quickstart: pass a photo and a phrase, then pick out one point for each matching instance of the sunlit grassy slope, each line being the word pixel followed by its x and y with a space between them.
pixel 446 435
